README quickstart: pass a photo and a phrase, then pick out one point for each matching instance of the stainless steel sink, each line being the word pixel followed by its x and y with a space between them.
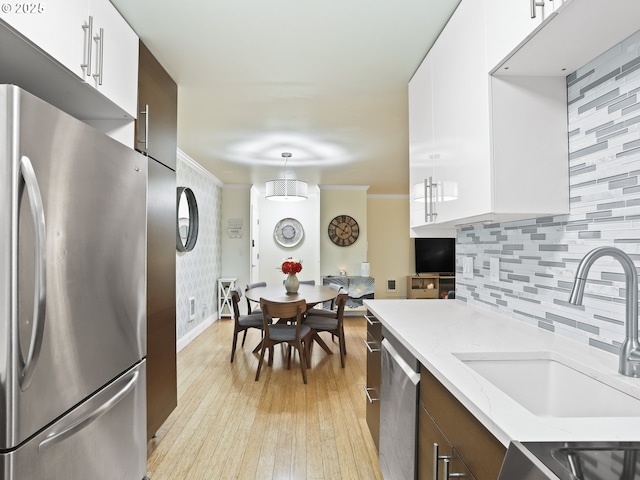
pixel 572 461
pixel 550 385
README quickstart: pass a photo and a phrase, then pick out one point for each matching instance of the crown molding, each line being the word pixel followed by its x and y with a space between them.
pixel 183 157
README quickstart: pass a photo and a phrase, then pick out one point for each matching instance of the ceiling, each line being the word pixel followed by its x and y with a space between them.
pixel 324 80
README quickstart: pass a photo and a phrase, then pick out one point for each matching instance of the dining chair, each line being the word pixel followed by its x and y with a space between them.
pixel 295 334
pixel 242 323
pixel 334 325
pixel 331 311
pixel 250 286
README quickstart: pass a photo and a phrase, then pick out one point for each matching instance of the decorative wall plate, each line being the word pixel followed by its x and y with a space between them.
pixel 288 232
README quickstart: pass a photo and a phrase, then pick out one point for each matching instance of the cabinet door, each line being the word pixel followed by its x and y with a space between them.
pixel 481 451
pixel 431 459
pixel 162 396
pixel 461 116
pixel 55 27
pixel 115 56
pixel 430 468
pixel 420 139
pixel 509 23
pixel 158 99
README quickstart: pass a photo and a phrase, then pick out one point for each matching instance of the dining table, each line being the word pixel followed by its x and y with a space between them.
pixel 311 294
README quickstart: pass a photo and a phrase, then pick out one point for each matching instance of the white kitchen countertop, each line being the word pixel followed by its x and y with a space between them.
pixel 433 330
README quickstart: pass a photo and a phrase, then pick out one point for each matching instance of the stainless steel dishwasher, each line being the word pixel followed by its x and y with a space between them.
pixel 399 392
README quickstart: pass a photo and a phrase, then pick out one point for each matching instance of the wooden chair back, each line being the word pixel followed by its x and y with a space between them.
pixel 341 302
pixel 291 311
pixel 236 294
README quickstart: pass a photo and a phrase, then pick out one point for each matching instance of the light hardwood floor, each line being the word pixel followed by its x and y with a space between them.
pixel 227 425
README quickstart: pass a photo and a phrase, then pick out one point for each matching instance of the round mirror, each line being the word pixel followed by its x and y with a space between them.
pixel 186 220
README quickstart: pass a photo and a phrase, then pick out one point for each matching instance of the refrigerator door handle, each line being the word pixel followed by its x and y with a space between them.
pixel 28 364
pixel 89 417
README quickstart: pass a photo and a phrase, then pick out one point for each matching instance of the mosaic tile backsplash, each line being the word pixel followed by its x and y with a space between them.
pixel 197 271
pixel 539 257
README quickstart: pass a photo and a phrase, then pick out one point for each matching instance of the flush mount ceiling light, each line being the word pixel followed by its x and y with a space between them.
pixel 286 189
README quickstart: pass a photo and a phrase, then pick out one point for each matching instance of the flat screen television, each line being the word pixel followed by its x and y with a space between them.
pixel 435 255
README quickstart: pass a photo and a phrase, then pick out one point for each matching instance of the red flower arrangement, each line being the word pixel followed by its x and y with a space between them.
pixel 291 266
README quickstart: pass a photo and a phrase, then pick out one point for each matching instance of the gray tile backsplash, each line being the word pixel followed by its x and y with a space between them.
pixel 538 257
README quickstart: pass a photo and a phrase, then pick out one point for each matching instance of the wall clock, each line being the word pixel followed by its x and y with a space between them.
pixel 343 230
pixel 288 232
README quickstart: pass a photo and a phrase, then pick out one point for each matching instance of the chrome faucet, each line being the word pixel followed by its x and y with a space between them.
pixel 630 351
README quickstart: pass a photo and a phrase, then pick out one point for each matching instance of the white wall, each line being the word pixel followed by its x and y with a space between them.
pixel 391 251
pixel 350 201
pixel 236 261
pixel 197 271
pixel 308 250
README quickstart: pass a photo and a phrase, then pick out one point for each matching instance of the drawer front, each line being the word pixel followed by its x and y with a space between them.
pixel 481 451
pixel 103 438
pixel 374 327
pixel 373 388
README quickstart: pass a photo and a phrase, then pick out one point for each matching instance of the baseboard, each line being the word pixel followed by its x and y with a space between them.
pixel 196 331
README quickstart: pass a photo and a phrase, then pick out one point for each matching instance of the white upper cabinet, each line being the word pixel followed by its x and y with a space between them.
pixel 423 157
pixel 115 56
pixel 510 22
pixel 565 38
pixel 461 117
pixel 90 39
pixel 498 148
pixel 55 27
pixel 420 139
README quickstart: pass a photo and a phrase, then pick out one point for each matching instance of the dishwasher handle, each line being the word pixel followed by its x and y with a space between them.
pixel 412 375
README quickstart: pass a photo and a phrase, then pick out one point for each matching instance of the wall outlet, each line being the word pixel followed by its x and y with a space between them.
pixel 467 267
pixel 391 285
pixel 192 308
pixel 494 269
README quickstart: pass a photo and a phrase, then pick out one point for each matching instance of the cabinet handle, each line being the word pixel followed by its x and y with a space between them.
pixel 366 392
pixel 534 4
pixel 430 211
pixel 436 459
pixel 371 350
pixel 446 475
pixel 88 36
pixel 372 320
pixel 145 112
pixel 99 39
pixel 427 188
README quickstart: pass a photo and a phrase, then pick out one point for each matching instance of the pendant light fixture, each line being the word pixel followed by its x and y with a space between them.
pixel 286 189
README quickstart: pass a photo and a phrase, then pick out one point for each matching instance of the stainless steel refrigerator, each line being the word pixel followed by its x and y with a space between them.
pixel 72 297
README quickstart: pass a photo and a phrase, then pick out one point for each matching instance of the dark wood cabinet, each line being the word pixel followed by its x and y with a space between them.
pixel 159 92
pixel 157 121
pixel 432 458
pixel 162 393
pixel 471 448
pixel 374 363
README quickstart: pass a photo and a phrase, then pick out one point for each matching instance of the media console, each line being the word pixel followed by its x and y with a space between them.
pixel 430 285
